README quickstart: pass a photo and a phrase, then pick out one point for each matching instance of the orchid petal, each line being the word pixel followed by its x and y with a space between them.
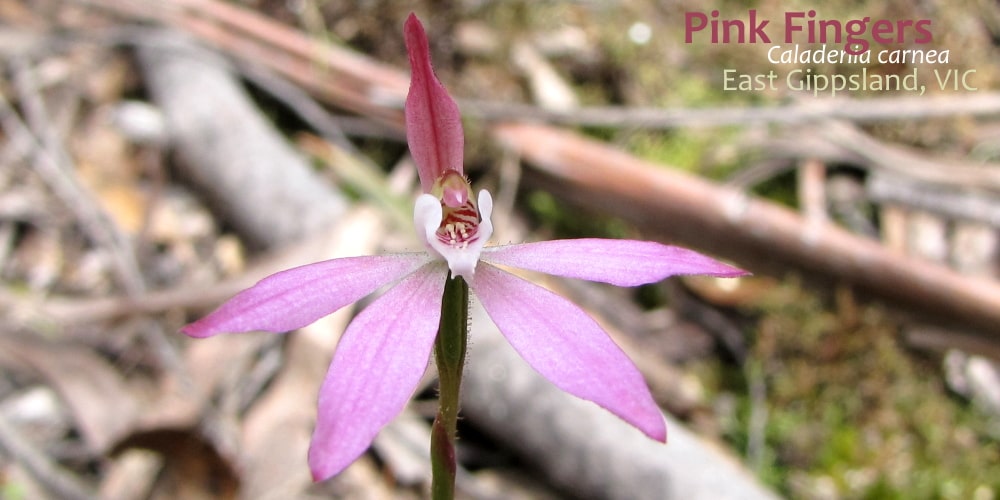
pixel 433 122
pixel 619 262
pixel 568 347
pixel 377 366
pixel 297 297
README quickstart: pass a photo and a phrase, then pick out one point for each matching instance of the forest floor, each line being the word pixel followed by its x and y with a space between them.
pixel 859 360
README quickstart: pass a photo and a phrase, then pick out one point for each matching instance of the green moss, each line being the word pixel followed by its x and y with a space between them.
pixel 683 149
pixel 11 490
pixel 849 407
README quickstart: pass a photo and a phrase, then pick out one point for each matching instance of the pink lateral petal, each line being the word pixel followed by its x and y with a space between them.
pixel 619 262
pixel 299 296
pixel 568 347
pixel 377 366
pixel 433 123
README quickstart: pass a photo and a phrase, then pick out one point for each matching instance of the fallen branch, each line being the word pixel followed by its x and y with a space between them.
pixel 757 234
pixel 878 109
pixel 910 163
pixel 584 449
pixel 963 204
pixel 220 126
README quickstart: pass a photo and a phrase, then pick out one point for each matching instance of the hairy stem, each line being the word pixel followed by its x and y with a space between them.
pixel 449 354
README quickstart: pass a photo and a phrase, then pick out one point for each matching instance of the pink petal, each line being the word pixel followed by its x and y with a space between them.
pixel 294 298
pixel 375 369
pixel 433 123
pixel 567 347
pixel 619 262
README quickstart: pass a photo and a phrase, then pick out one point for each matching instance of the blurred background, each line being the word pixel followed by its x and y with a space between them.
pixel 157 157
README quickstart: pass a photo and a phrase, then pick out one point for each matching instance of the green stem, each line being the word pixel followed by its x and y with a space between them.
pixel 449 354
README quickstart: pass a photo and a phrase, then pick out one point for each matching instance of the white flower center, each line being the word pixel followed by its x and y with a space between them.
pixel 456 234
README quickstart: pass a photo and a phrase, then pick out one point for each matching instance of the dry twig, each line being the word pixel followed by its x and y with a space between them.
pixel 57 480
pixel 753 232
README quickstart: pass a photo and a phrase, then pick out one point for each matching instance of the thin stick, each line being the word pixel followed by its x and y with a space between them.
pixel 54 166
pixel 50 475
pixel 855 110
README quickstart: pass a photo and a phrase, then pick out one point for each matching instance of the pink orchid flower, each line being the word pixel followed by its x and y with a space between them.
pixel 385 349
